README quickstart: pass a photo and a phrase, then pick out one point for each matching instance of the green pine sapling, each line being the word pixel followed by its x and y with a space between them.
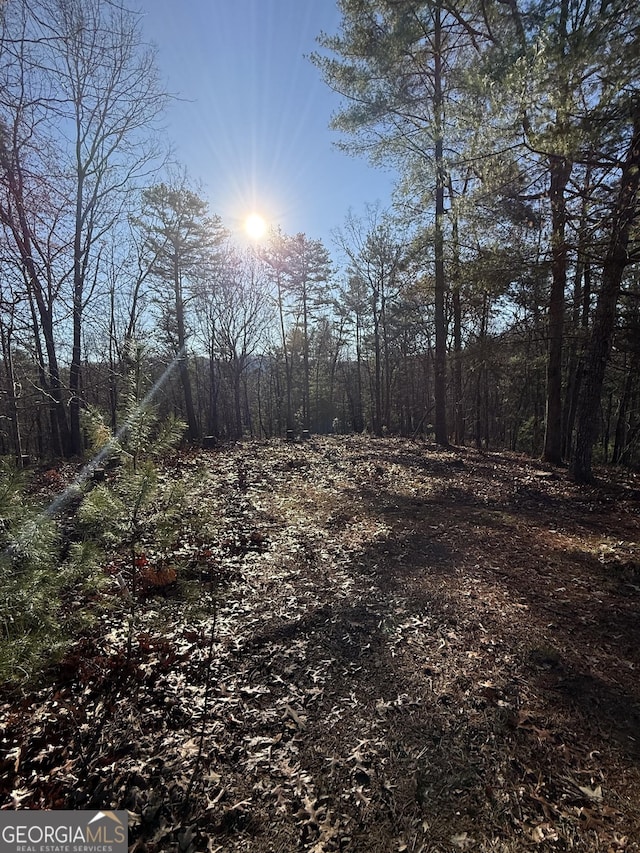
pixel 121 511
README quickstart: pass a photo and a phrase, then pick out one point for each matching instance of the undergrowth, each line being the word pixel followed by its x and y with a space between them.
pixel 53 556
pixel 37 571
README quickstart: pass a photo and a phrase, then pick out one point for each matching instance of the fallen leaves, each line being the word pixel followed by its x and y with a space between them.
pixel 391 652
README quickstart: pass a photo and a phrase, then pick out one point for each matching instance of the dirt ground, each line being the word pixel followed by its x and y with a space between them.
pixel 372 645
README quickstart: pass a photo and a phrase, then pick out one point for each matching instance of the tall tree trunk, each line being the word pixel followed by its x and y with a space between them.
pixel 12 389
pixel 212 408
pixel 387 418
pixel 183 362
pixel 285 351
pixel 579 323
pixel 560 173
pixel 377 385
pixel 237 400
pixel 458 412
pixel 482 402
pixel 22 234
pixel 440 380
pixel 113 362
pixel 458 403
pixel 358 413
pixel 306 398
pixel 78 288
pixel 599 346
pixel 623 409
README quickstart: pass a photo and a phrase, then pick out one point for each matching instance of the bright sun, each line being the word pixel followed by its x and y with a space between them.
pixel 255 226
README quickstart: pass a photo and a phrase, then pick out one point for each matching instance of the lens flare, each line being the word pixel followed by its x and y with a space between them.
pixel 255 226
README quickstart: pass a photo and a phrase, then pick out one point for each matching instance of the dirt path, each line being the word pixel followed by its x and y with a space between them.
pixel 414 650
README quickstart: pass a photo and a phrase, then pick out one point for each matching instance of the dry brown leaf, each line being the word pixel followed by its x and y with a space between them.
pixel 590 793
pixel 462 840
pixel 541 833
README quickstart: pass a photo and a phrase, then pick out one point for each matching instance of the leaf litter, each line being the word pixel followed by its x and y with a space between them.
pixel 415 649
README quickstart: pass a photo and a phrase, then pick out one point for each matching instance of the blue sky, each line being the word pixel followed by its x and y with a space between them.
pixel 252 124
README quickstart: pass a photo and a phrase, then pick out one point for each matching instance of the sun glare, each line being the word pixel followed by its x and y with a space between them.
pixel 255 226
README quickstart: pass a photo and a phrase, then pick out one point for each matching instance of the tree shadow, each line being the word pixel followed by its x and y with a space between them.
pixel 595 610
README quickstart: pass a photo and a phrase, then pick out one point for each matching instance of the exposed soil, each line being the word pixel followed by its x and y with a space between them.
pixel 394 648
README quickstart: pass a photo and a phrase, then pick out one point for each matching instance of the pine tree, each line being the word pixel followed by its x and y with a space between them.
pixel 394 64
pixel 120 513
pixel 182 240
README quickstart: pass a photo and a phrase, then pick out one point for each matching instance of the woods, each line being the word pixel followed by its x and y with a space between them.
pixel 349 644
pixel 326 545
pixel 484 308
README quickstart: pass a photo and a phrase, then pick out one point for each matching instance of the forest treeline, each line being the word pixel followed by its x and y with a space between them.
pixel 496 304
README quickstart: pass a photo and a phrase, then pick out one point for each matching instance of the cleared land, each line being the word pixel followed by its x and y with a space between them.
pixel 372 645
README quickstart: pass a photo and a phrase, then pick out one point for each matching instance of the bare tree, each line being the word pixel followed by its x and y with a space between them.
pixel 376 260
pixel 80 96
pixel 240 311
